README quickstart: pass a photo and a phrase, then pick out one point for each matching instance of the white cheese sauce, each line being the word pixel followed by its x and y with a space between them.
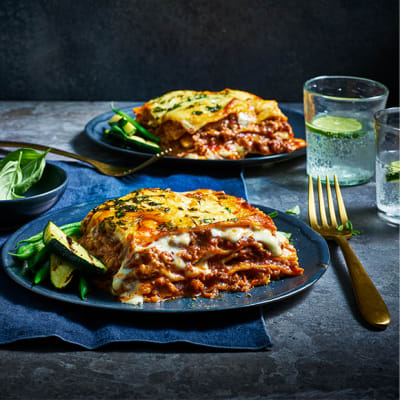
pixel 264 236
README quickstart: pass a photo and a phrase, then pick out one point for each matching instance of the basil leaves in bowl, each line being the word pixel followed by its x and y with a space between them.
pixel 29 186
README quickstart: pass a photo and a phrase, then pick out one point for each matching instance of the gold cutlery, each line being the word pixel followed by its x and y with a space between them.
pixel 370 302
pixel 106 169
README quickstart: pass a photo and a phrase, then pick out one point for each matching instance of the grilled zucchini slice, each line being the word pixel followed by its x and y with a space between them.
pixel 71 251
pixel 61 272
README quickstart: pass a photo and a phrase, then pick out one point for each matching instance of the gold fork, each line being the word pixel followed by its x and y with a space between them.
pixel 106 169
pixel 370 302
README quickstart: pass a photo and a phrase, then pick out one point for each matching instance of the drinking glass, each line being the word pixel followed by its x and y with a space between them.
pixel 387 128
pixel 339 114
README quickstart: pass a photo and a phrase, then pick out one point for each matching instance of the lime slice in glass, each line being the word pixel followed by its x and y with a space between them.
pixel 343 98
pixel 393 172
pixel 337 127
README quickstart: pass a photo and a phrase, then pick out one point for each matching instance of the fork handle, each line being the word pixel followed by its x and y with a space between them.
pixel 370 302
pixel 5 143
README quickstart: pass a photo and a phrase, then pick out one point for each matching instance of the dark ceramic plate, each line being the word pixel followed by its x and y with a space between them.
pixel 312 251
pixel 95 130
pixel 38 199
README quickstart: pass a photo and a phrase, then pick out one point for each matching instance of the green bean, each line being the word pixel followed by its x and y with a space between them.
pixel 119 130
pixel 73 231
pixel 42 273
pixel 32 239
pixel 39 236
pixel 83 288
pixel 38 259
pixel 135 141
pixel 28 250
pixel 139 127
pixel 71 225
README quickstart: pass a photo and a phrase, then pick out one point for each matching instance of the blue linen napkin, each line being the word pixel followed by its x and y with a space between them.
pixel 24 314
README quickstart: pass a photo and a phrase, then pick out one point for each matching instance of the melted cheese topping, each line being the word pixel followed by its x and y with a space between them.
pixel 144 215
pixel 193 110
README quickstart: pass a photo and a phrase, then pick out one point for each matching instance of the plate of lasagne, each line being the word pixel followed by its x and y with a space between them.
pixel 191 251
pixel 229 127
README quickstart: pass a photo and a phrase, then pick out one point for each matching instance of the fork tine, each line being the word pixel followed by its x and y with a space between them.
pixel 331 206
pixel 341 206
pixel 312 213
pixel 324 221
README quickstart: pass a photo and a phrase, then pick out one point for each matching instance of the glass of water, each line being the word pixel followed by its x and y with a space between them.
pixel 339 116
pixel 387 128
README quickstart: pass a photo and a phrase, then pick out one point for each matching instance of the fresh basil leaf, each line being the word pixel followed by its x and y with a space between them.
pixel 19 170
pixel 9 175
pixel 27 154
pixel 32 170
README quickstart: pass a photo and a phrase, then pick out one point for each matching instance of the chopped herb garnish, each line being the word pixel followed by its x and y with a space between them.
pixel 214 109
pixel 166 225
pixel 158 109
pixel 228 209
pixel 294 211
pixel 193 220
pixel 348 225
pixel 129 207
pixel 174 106
pixel 286 234
pixel 273 214
pixel 197 112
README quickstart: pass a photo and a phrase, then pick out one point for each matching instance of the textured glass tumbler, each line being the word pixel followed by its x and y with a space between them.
pixel 339 116
pixel 387 128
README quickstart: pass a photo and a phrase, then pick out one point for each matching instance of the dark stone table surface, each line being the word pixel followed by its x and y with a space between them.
pixel 322 348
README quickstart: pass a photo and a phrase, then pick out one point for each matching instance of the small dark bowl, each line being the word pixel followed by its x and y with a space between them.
pixel 38 199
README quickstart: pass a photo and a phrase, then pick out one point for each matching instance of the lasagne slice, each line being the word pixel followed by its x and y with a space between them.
pixel 159 244
pixel 218 125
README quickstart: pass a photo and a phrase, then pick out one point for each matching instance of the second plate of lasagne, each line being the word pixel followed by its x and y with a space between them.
pixel 223 128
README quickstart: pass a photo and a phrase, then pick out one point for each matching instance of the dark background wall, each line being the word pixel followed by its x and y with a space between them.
pixel 137 49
